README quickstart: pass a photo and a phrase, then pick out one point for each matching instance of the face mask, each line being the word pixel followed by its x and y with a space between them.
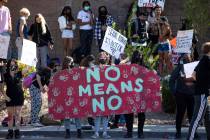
pixel 91 64
pixel 102 61
pixel 87 8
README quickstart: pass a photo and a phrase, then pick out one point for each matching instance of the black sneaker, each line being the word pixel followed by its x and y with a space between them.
pixel 10 134
pixel 67 135
pixel 128 135
pixel 114 126
pixel 178 136
pixel 79 133
pixel 17 134
pixel 141 136
pixel 196 136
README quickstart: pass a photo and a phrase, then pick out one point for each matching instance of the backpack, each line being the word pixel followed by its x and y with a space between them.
pixel 28 80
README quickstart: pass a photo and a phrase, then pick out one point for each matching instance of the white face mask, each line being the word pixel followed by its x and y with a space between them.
pixel 91 64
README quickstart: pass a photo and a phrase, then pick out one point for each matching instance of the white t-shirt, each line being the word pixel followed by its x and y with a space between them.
pixel 85 17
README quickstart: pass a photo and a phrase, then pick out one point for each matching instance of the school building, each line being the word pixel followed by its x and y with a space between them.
pixel 51 10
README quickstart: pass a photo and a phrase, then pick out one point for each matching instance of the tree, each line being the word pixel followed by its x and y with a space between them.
pixel 197 12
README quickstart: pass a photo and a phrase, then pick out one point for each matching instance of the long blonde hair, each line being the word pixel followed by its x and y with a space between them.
pixel 43 22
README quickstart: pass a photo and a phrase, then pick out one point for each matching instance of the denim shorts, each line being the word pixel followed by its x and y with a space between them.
pixel 164 47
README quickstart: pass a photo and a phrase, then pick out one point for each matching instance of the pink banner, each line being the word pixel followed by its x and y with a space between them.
pixel 102 91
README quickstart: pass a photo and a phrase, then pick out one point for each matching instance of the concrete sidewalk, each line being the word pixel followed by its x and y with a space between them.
pixel 150 131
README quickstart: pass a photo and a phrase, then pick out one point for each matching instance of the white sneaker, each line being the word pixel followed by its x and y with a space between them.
pixel 37 124
pixel 106 136
pixel 95 136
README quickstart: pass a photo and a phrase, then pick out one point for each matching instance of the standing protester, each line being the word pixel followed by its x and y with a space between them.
pixel 38 86
pixel 154 25
pixel 14 97
pixel 22 29
pixel 68 63
pixel 103 60
pixel 21 32
pixel 88 62
pixel 5 30
pixel 102 21
pixel 202 77
pixel 85 20
pixel 137 58
pixel 139 29
pixel 183 89
pixel 67 25
pixel 40 34
pixel 164 49
pixel 5 20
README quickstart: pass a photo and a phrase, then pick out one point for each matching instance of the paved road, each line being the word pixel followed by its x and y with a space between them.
pixel 52 138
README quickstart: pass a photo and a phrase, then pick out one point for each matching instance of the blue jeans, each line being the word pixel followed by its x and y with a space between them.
pixel 67 123
pixel 105 121
pixel 42 53
pixel 9 53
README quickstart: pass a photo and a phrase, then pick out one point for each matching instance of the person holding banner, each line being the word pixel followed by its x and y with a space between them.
pixel 67 26
pixel 40 34
pixel 21 32
pixel 101 23
pixel 38 86
pixel 85 19
pixel 68 63
pixel 201 76
pixel 14 97
pixel 103 60
pixel 137 58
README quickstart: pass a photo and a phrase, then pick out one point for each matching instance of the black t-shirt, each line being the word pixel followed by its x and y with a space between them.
pixel 45 75
pixel 203 76
pixel 38 37
pixel 13 84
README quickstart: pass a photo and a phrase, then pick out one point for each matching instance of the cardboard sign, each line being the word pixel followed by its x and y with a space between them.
pixel 189 68
pixel 28 53
pixel 103 91
pixel 114 43
pixel 151 3
pixel 4 45
pixel 184 41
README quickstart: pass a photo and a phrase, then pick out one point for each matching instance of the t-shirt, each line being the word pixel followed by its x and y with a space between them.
pixel 4 19
pixel 202 70
pixel 85 17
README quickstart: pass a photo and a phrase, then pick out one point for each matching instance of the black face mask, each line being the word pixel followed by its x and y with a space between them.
pixel 103 14
pixel 13 67
pixel 102 61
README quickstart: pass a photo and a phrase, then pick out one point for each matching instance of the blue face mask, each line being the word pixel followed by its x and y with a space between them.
pixel 87 8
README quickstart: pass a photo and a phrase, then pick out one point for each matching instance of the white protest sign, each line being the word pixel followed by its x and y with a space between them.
pixel 114 43
pixel 189 68
pixel 184 41
pixel 151 3
pixel 4 45
pixel 28 53
pixel 161 3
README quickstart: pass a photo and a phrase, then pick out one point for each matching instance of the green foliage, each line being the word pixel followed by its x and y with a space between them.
pixel 168 101
pixel 197 11
pixel 149 59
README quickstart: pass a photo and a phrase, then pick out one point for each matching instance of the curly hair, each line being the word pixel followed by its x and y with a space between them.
pixel 68 62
